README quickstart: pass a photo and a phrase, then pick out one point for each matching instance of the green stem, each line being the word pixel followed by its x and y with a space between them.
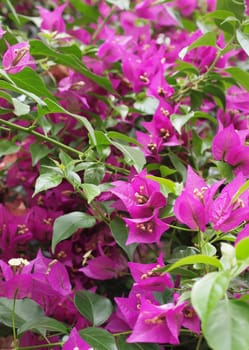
pixel 198 346
pixel 103 23
pixel 13 319
pixel 181 228
pixel 45 346
pixel 121 333
pixel 30 131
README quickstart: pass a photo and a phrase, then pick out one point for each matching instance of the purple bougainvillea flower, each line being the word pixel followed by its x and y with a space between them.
pixel 192 206
pixel 140 196
pixel 158 86
pixel 246 2
pixel 161 126
pixel 229 145
pixel 129 307
pixel 228 210
pixel 17 57
pixel 190 211
pixel 75 342
pixel 157 323
pixel 152 144
pixel 104 267
pixel 145 230
pixel 53 20
pixel 186 7
pixel 147 277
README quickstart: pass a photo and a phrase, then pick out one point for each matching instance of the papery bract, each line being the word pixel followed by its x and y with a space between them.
pixel 228 211
pixel 17 57
pixel 157 324
pixel 75 342
pixel 53 20
pixel 145 230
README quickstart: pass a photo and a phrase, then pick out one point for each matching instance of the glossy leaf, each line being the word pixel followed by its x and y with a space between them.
pixel 134 156
pixel 47 180
pixel 207 292
pixel 8 147
pixel 38 48
pixel 29 80
pixel 25 310
pixel 227 326
pixel 38 152
pixel 122 4
pixel 97 309
pixel 91 191
pixel 66 225
pixel 98 338
pixel 194 259
pixel 43 325
pixel 120 234
pixel 242 249
pixel 20 108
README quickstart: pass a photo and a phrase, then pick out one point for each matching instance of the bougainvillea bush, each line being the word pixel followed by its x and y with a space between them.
pixel 124 213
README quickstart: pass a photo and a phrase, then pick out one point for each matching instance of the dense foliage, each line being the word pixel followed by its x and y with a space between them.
pixel 124 212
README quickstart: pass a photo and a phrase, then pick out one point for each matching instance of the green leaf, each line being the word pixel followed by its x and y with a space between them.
pixel 29 80
pixel 207 292
pixel 147 105
pixel 216 91
pixel 122 4
pixel 240 76
pixel 54 107
pixel 12 87
pixel 227 326
pixel 208 39
pixel 90 13
pixel 91 191
pixel 178 120
pixel 122 137
pixel 47 180
pixel 237 8
pixel 20 108
pixel 176 161
pixel 123 345
pixel 168 185
pixel 38 151
pixel 8 147
pixel 120 234
pixel 25 310
pixel 194 259
pixel 43 325
pixel 66 225
pixel 38 48
pixel 95 174
pixel 97 309
pixel 13 11
pixel 98 338
pixel 133 156
pixel 242 249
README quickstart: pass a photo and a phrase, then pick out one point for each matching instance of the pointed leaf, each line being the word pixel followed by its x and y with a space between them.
pixel 207 292
pixel 227 326
pixel 120 234
pixel 67 224
pixel 95 308
pixel 47 180
pixel 25 310
pixel 98 338
pixel 43 325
